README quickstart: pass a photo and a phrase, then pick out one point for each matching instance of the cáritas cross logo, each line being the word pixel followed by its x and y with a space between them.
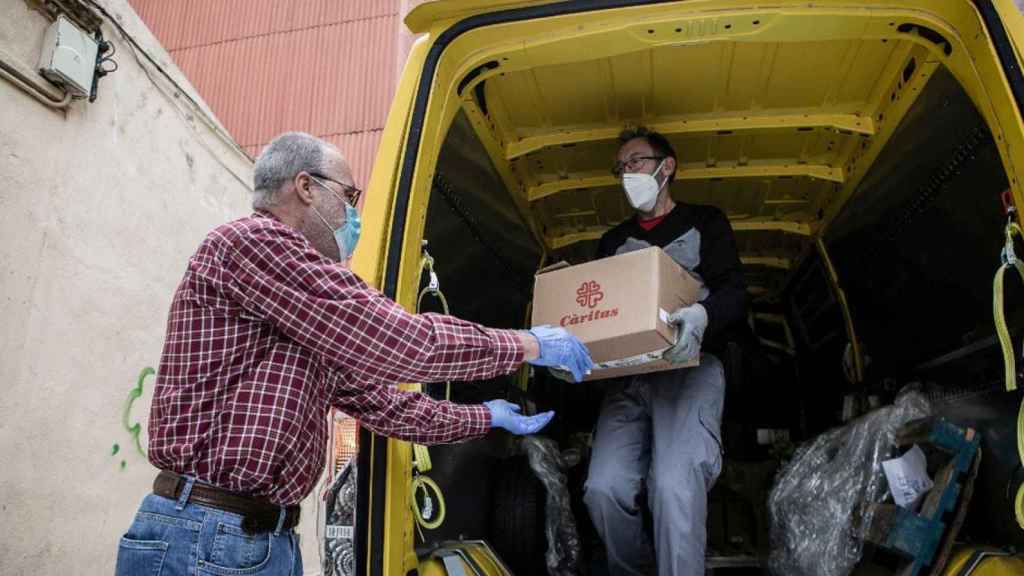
pixel 589 294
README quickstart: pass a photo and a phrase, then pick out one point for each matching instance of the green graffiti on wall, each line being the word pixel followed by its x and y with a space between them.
pixel 134 430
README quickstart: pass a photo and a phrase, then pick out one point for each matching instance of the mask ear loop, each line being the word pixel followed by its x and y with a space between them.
pixel 339 197
pixel 317 212
pixel 657 172
pixel 334 231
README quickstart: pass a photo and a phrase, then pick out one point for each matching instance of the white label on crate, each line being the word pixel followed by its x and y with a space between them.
pixel 340 532
pixel 908 477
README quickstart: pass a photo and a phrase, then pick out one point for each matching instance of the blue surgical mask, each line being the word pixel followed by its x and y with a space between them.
pixel 347 236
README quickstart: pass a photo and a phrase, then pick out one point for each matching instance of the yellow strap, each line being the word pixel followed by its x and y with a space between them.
pixel 421 463
pixel 1009 260
pixel 1009 356
pixel 436 293
pixel 421 458
pixel 426 485
pixel 1019 500
pixel 433 288
pixel 421 455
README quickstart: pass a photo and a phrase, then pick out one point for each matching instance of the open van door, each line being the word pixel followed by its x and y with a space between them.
pixel 1003 22
pixel 784 111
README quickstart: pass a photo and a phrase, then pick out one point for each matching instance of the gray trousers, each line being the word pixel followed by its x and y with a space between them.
pixel 661 430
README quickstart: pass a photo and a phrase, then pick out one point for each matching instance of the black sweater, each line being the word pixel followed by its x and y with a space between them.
pixel 701 240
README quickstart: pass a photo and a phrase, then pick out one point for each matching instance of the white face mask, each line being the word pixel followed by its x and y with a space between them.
pixel 642 189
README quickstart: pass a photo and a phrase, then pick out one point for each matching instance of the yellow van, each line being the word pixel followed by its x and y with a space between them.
pixel 860 149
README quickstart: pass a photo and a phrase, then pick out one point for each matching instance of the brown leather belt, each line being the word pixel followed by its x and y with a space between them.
pixel 257 515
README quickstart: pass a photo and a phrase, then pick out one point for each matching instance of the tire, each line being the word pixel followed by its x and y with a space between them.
pixel 517 521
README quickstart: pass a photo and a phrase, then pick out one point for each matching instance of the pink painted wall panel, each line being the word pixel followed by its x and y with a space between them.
pixel 360 149
pixel 191 23
pixel 327 67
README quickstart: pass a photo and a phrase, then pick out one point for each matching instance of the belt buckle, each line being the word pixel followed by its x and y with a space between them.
pixel 179 485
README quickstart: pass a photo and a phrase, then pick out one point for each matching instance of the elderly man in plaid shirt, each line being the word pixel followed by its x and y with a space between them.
pixel 268 331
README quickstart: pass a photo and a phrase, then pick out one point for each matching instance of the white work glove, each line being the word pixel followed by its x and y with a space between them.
pixel 692 320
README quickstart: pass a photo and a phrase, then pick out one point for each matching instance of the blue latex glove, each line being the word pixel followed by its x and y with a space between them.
pixel 692 321
pixel 506 415
pixel 560 349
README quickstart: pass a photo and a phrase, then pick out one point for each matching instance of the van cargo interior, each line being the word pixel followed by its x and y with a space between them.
pixel 871 145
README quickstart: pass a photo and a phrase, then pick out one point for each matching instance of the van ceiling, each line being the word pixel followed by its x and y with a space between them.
pixel 769 132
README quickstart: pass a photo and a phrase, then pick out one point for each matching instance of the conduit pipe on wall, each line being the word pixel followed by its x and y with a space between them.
pixel 32 88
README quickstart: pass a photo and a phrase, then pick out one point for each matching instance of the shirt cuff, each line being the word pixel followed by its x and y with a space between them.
pixel 508 349
pixel 478 420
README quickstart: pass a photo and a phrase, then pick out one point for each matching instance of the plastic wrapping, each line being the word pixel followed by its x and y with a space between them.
pixel 339 550
pixel 546 461
pixel 819 501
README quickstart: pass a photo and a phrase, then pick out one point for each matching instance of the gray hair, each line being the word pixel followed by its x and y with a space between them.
pixel 285 156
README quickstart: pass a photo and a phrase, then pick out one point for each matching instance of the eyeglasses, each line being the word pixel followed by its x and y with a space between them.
pixel 351 194
pixel 632 165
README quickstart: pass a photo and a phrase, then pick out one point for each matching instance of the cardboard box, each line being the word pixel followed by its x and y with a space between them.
pixel 618 306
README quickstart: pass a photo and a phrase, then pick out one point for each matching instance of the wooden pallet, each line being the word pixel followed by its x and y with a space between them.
pixel 925 538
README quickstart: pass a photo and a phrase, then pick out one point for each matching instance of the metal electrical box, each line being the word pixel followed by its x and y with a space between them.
pixel 69 57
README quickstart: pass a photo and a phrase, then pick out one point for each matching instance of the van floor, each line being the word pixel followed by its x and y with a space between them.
pixel 716 566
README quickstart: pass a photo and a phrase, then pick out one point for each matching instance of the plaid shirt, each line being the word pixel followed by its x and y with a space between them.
pixel 265 335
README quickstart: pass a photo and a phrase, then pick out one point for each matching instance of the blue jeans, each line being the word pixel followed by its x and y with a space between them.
pixel 171 538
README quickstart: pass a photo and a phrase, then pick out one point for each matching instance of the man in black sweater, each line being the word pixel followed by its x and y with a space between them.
pixel 662 430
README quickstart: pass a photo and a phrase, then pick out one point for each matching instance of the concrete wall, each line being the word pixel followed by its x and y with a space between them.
pixel 100 208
